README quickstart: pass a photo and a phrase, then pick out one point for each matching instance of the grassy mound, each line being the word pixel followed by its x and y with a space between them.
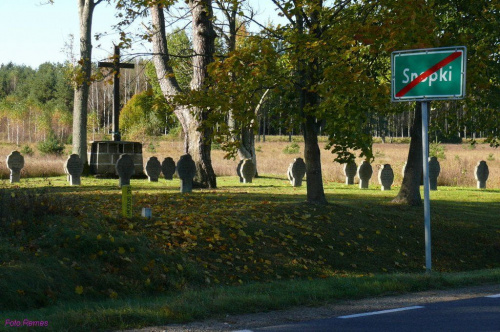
pixel 62 244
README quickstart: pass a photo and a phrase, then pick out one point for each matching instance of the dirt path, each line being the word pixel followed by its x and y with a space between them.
pixel 250 321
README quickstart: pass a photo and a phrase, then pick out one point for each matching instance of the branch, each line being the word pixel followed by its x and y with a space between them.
pixel 266 29
pixel 261 102
pixel 164 71
pixel 287 15
pixel 340 7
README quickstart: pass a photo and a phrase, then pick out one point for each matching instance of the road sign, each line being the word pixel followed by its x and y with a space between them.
pixel 428 74
pixel 425 75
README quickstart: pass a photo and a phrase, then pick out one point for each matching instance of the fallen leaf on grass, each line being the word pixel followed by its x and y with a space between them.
pixel 79 290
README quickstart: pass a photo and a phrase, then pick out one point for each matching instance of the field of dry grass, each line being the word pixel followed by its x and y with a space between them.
pixel 457 166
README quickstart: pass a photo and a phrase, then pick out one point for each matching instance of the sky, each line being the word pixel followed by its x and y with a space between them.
pixel 32 33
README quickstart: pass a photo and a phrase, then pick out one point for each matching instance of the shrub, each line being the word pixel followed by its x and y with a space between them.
pixel 27 150
pixel 437 150
pixel 51 146
pixel 470 146
pixel 291 149
pixel 379 154
pixel 175 133
pixel 151 147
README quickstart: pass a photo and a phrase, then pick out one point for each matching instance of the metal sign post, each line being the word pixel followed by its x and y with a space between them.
pixel 427 203
pixel 425 75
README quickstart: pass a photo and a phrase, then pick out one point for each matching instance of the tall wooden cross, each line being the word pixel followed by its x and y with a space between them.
pixel 116 65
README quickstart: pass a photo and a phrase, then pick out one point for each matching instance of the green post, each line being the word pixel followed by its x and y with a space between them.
pixel 127 201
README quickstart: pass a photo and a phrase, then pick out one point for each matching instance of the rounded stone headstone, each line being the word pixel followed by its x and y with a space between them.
pixel 238 170
pixel 168 168
pixel 350 170
pixel 74 168
pixel 125 169
pixel 68 177
pixel 153 169
pixel 434 170
pixel 186 169
pixel 289 173
pixel 15 162
pixel 296 172
pixel 421 176
pixel 247 170
pixel 386 177
pixel 365 172
pixel 481 173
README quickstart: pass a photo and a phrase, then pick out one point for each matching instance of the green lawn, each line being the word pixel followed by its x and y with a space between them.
pixel 68 255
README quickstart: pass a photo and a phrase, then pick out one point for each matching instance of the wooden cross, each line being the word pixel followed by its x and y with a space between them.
pixel 116 65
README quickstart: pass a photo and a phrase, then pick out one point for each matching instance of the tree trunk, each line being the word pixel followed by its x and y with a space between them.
pixel 312 155
pixel 307 70
pixel 246 149
pixel 410 188
pixel 85 11
pixel 203 48
pixel 197 143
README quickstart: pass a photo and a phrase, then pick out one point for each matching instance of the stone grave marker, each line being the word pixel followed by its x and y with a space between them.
pixel 153 169
pixel 421 176
pixel 125 169
pixel 434 170
pixel 74 168
pixel 186 169
pixel 385 177
pixel 15 162
pixel 247 170
pixel 238 170
pixel 296 172
pixel 481 174
pixel 350 170
pixel 168 168
pixel 68 177
pixel 365 172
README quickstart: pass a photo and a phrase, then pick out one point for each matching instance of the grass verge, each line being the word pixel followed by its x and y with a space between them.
pixel 216 302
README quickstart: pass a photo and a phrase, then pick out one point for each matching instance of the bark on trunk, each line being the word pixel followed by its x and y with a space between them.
pixel 203 47
pixel 410 188
pixel 312 155
pixel 197 143
pixel 246 150
pixel 81 94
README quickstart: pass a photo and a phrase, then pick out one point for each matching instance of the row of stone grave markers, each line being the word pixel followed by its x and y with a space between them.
pixel 186 169
pixel 153 169
pixel 386 175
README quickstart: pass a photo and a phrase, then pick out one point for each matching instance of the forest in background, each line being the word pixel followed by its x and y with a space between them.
pixel 37 103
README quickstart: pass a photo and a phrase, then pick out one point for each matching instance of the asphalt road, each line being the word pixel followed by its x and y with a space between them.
pixel 464 309
pixel 475 314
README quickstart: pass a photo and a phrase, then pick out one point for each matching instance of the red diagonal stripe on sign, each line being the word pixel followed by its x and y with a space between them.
pixel 428 73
